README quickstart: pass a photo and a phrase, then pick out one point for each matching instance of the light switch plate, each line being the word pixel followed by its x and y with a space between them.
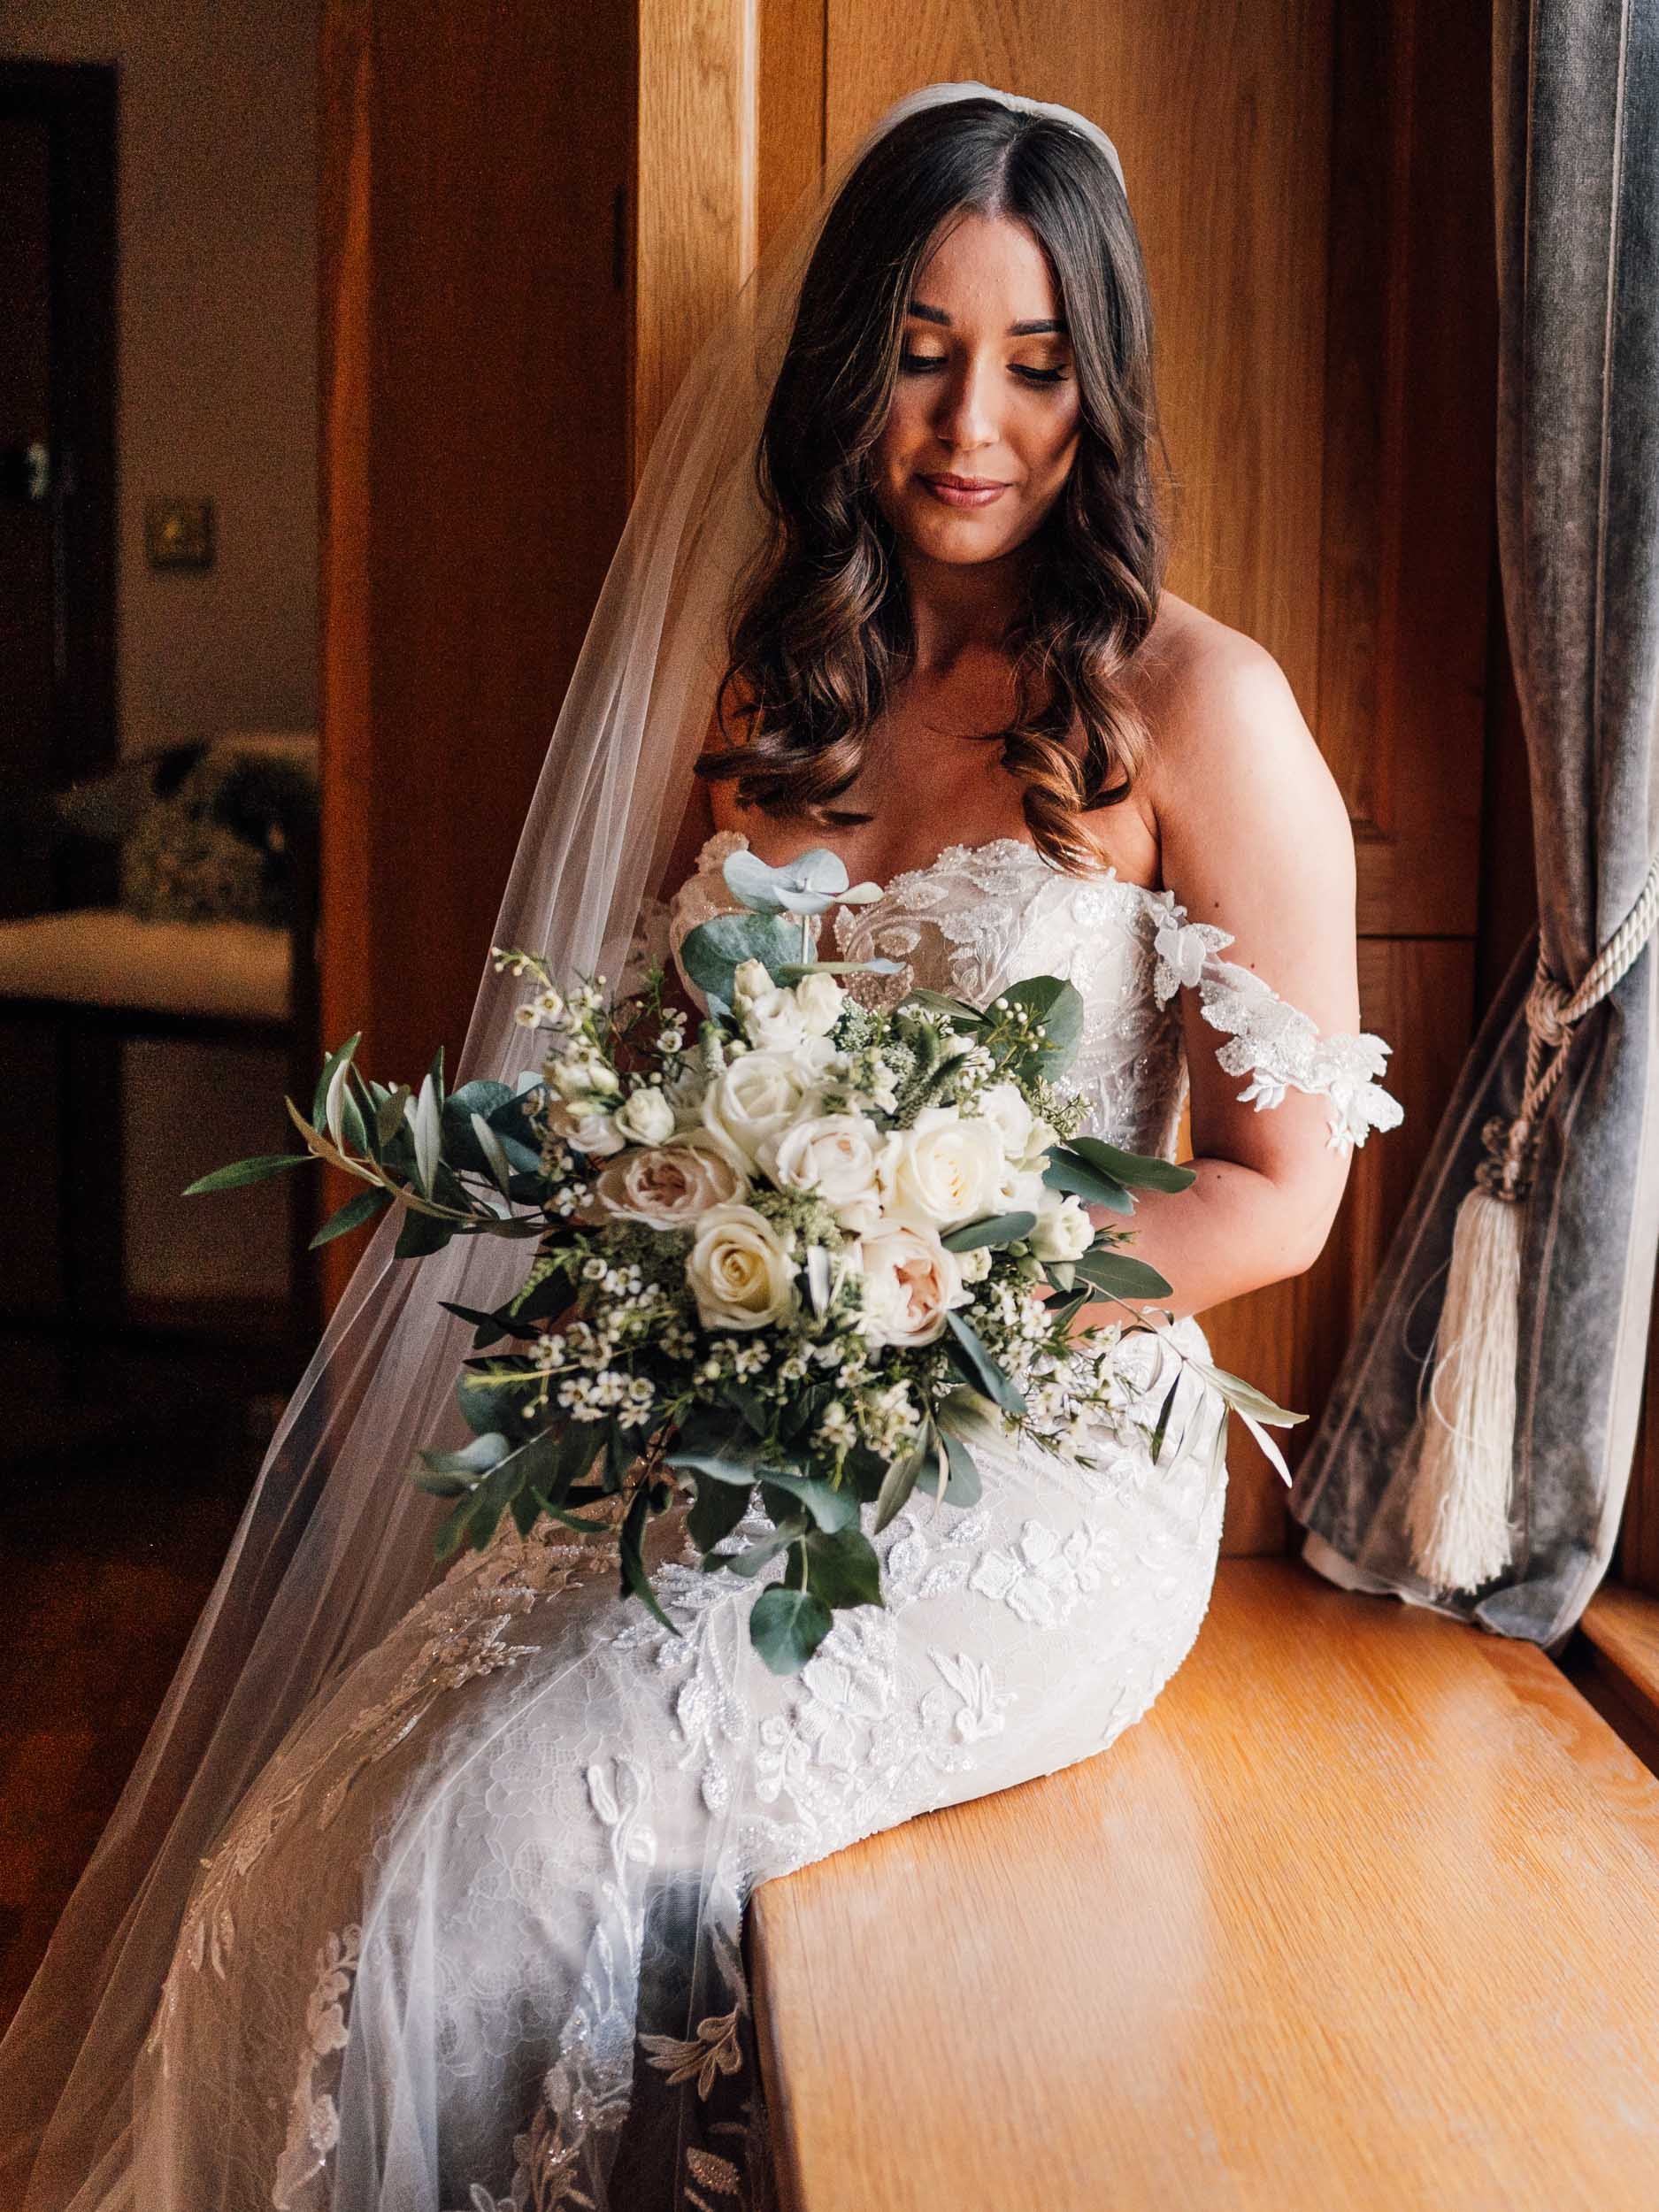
pixel 179 532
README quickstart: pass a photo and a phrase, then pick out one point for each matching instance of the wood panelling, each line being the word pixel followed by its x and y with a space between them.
pixel 1365 1912
pixel 696 188
pixel 789 148
pixel 1407 542
pixel 475 413
pixel 1227 171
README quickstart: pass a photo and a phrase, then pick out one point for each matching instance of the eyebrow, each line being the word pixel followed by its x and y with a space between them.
pixel 1038 329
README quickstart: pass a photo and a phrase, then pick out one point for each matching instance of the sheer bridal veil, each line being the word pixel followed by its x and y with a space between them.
pixel 335 1543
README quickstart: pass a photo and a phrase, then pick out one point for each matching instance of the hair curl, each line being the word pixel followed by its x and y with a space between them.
pixel 821 630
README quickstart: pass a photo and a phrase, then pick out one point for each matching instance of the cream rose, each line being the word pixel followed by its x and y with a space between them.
pixel 753 1098
pixel 645 1116
pixel 820 1000
pixel 911 1281
pixel 1064 1230
pixel 585 1127
pixel 669 1186
pixel 738 1272
pixel 946 1172
pixel 1002 1106
pixel 836 1156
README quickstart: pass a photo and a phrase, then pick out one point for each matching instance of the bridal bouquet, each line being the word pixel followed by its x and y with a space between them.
pixel 818 1250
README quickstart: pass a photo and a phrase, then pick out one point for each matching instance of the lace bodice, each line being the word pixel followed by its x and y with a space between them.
pixel 981 917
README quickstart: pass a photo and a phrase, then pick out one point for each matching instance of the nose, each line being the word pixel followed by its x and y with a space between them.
pixel 964 422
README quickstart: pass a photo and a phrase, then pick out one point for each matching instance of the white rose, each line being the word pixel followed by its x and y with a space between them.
pixel 773 1022
pixel 646 1116
pixel 753 1098
pixel 820 1000
pixel 584 1127
pixel 947 1171
pixel 1020 1191
pixel 750 980
pixel 910 1282
pixel 738 1272
pixel 1064 1230
pixel 1006 1111
pixel 669 1185
pixel 836 1156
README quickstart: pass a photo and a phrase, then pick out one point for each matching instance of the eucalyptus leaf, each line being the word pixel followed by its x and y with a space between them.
pixel 476 1458
pixel 352 1215
pixel 984 1372
pixel 715 1512
pixel 964 1487
pixel 995 1229
pixel 809 884
pixel 420 1234
pixel 712 953
pixel 1064 1171
pixel 898 1482
pixel 630 1551
pixel 1058 1006
pixel 336 1059
pixel 1244 1397
pixel 787 1627
pixel 843 1568
pixel 1138 1170
pixel 1119 1276
pixel 831 1506
pixel 243 1171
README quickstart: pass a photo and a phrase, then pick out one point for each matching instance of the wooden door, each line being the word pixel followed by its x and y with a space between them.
pixel 1311 182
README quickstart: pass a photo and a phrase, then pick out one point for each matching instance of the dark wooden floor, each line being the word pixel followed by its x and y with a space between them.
pixel 122 1476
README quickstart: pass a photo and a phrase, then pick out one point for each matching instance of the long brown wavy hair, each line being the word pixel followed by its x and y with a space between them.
pixel 821 631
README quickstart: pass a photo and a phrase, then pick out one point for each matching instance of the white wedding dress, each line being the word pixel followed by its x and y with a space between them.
pixel 471 1941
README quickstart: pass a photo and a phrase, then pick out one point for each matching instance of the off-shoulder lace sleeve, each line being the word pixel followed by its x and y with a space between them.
pixel 1273 1043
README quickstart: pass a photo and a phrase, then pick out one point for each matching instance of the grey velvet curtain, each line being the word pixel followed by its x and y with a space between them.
pixel 1576 166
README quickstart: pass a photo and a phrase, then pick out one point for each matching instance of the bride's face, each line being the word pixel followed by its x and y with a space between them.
pixel 984 425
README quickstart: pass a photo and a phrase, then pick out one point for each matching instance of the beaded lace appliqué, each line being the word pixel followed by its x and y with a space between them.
pixel 975 904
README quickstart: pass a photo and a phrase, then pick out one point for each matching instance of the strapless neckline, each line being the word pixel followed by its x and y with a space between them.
pixel 952 856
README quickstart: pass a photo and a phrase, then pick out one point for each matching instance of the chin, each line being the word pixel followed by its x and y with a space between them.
pixel 962 541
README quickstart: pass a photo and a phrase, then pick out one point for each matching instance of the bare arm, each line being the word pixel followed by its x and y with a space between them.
pixel 1255 838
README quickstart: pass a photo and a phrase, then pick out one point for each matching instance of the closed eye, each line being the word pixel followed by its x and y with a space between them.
pixel 927 363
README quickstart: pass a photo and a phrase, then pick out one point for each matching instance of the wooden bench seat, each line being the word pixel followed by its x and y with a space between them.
pixel 1364 1912
pixel 101 957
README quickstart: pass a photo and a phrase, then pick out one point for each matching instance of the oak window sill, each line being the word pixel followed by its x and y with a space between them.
pixel 1366 1906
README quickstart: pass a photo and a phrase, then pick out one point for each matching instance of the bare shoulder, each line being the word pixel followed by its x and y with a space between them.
pixel 1233 763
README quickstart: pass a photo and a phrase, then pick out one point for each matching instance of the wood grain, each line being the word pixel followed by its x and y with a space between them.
pixel 1385 1930
pixel 475 420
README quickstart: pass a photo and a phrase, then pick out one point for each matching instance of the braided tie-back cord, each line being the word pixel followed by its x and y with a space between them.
pixel 1552 1014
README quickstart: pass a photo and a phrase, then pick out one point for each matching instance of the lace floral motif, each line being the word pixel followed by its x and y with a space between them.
pixel 990 913
pixel 313 2118
pixel 467 1620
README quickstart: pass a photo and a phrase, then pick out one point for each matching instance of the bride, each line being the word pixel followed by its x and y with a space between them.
pixel 427 1892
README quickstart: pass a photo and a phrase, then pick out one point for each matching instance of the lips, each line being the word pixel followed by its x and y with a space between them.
pixel 963 491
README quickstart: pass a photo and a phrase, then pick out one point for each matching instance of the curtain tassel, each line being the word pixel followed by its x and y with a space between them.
pixel 1457 1516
